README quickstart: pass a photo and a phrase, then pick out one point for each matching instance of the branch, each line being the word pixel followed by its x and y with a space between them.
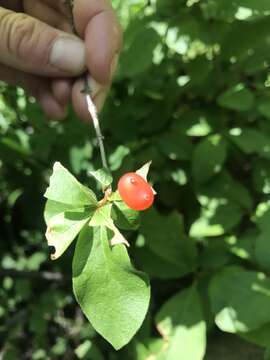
pixel 39 275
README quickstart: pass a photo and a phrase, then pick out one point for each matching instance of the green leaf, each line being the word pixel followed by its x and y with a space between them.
pixel 65 188
pixel 175 145
pixel 139 56
pixel 208 158
pixel 103 217
pixel 164 236
pixel 181 322
pixel 262 5
pixel 261 176
pixel 112 294
pixel 226 189
pixel 103 176
pixel 216 219
pixel 251 141
pixel 240 299
pixel 124 217
pixel 259 336
pixel 88 350
pixel 262 250
pixel 264 108
pixel 155 265
pixel 64 222
pixel 237 98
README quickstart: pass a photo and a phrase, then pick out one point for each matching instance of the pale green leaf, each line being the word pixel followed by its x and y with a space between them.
pixel 103 176
pixel 65 188
pixel 144 170
pixel 64 223
pixel 103 217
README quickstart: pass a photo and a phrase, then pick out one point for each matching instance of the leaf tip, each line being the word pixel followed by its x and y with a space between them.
pixel 143 171
pixel 56 166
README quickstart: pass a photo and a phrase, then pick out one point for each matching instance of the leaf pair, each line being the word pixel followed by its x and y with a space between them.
pixel 112 294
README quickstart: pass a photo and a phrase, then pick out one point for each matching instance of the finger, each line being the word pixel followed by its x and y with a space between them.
pixel 61 89
pixel 61 6
pixel 98 94
pixel 50 106
pixel 35 86
pixel 97 23
pixel 32 46
pixel 42 11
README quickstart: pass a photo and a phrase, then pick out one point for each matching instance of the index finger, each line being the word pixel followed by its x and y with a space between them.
pixel 97 23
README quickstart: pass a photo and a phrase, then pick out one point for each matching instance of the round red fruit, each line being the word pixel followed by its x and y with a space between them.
pixel 135 191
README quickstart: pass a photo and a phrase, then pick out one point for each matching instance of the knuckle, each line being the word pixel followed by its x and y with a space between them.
pixel 22 37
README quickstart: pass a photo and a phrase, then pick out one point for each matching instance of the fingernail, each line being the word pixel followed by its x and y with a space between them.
pixel 100 100
pixel 114 65
pixel 94 86
pixel 68 55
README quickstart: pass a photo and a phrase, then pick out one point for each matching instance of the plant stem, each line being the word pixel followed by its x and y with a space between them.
pixel 93 112
pixel 90 104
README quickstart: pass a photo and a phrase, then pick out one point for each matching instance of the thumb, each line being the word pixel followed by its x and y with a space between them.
pixel 32 46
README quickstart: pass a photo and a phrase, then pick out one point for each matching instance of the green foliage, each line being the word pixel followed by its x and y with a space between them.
pixel 181 322
pixel 192 95
pixel 113 296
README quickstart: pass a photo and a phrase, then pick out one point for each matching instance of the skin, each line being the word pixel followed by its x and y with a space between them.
pixel 29 27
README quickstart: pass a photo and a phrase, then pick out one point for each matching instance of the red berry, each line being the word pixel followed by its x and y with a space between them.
pixel 135 191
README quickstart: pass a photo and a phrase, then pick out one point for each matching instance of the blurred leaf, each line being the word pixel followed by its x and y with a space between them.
pixel 227 291
pixel 180 321
pixel 237 98
pixel 176 248
pixel 208 158
pixel 216 219
pixel 251 141
pixel 139 56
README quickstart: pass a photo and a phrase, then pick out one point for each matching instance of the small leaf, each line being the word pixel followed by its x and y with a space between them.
pixel 115 196
pixel 124 217
pixel 64 222
pixel 103 176
pixel 103 217
pixel 112 294
pixel 144 170
pixel 65 188
pixel 181 322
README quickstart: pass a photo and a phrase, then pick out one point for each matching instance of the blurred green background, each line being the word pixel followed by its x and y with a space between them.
pixel 192 94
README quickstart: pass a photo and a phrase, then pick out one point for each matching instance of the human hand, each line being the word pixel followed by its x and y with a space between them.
pixel 39 52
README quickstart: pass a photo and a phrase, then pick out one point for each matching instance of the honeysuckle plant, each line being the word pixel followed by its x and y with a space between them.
pixel 112 294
